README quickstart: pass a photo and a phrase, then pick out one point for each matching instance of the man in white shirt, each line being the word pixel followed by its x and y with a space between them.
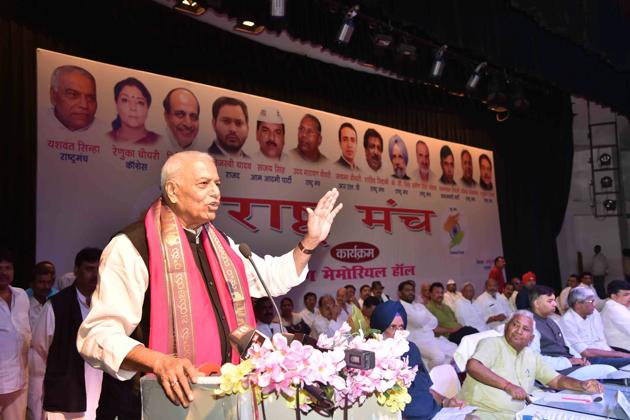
pixel 583 330
pixel 344 308
pixel 420 324
pixel 265 323
pixel 15 339
pixel 572 282
pixel 218 280
pixel 616 315
pixel 40 288
pixel 466 312
pixel 493 306
pixel 452 295
pixel 328 320
pixel 599 268
pixel 364 293
pixel 309 312
pixel 586 280
pixel 71 386
pixel 508 291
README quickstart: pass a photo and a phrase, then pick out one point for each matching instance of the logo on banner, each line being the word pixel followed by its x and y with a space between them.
pixel 354 252
pixel 453 227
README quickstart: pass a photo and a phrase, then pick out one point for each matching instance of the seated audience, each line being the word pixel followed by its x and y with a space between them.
pixel 466 312
pixel 326 322
pixel 377 291
pixel 264 313
pixel 518 285
pixel 292 321
pixel 364 292
pixel 502 371
pixel 345 308
pixel 584 331
pixel 447 323
pixel 451 295
pixel 507 293
pixel 572 282
pixel 424 293
pixel 310 311
pixel 548 338
pixel 586 280
pixel 529 282
pixel 388 318
pixel 421 323
pixel 72 387
pixel 351 296
pixel 15 337
pixel 369 304
pixel 492 305
pixel 616 315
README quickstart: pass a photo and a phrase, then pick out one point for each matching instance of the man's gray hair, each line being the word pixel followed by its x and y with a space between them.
pixel 61 70
pixel 176 162
pixel 521 312
pixel 579 294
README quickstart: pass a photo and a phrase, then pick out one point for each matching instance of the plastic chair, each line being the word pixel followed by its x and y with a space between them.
pixel 445 380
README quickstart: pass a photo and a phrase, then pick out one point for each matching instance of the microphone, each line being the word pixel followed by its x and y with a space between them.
pixel 246 251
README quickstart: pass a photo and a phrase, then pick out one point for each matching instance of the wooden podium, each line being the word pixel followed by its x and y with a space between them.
pixel 155 406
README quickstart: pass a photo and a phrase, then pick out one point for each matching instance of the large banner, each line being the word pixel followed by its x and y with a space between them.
pixel 415 207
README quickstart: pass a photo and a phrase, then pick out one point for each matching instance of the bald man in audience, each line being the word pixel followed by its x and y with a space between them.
pixel 466 312
pixel 502 371
pixel 492 305
pixel 584 331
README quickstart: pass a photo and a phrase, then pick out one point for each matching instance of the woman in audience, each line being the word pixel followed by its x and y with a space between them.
pixel 390 317
pixel 133 101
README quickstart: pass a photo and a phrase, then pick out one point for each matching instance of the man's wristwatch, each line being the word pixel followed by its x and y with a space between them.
pixel 304 250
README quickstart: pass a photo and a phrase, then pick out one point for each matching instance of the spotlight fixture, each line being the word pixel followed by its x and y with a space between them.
pixel 248 26
pixel 606 182
pixel 605 159
pixel 497 98
pixel 382 41
pixel 190 7
pixel 610 205
pixel 406 51
pixel 475 78
pixel 278 8
pixel 347 26
pixel 439 62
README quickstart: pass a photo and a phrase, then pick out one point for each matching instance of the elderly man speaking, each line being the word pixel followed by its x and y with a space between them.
pixel 178 286
pixel 502 372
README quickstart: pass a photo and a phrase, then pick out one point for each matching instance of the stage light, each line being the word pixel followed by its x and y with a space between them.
pixel 190 7
pixel 439 63
pixel 278 8
pixel 606 182
pixel 406 51
pixel 610 205
pixel 497 98
pixel 248 26
pixel 382 41
pixel 605 159
pixel 475 78
pixel 347 26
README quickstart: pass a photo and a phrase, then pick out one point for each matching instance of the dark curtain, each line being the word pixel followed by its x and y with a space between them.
pixel 533 152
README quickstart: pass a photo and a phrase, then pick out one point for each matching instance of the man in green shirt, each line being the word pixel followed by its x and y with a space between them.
pixel 447 322
pixel 502 372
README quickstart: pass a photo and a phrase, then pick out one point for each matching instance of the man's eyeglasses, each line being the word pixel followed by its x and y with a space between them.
pixel 589 301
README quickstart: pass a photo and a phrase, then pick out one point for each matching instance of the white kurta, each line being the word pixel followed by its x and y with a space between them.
pixel 582 333
pixel 325 326
pixel 420 324
pixel 268 329
pixel 468 314
pixel 103 338
pixel 451 298
pixel 15 339
pixel 42 339
pixel 616 321
pixel 562 300
pixel 490 306
pixel 308 317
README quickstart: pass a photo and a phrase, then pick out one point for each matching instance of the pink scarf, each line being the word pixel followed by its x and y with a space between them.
pixel 182 319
